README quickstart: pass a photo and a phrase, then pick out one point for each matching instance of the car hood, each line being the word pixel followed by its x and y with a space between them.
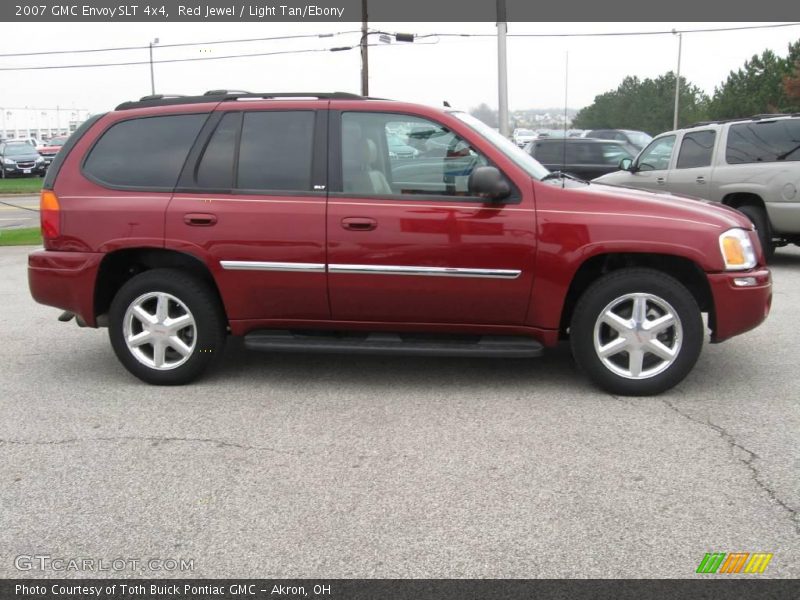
pixel 664 205
pixel 24 157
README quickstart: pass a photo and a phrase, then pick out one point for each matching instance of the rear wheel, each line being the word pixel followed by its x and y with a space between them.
pixel 636 332
pixel 166 327
pixel 758 217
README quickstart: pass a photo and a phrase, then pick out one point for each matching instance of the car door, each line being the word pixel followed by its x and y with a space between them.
pixel 251 203
pixel 650 170
pixel 692 173
pixel 407 243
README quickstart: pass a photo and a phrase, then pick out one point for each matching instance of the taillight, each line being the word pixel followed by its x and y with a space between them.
pixel 50 215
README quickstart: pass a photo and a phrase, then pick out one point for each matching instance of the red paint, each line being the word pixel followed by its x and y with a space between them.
pixel 547 236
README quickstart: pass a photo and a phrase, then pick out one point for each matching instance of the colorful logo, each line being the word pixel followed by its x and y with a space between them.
pixel 734 562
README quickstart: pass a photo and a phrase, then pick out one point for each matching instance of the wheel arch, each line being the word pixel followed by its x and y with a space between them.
pixel 681 268
pixel 120 266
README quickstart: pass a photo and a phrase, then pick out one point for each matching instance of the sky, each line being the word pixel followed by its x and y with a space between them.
pixel 462 71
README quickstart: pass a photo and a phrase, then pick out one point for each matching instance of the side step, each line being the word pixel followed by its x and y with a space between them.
pixel 393 343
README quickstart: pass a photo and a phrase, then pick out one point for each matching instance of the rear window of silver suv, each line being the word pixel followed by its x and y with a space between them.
pixel 763 141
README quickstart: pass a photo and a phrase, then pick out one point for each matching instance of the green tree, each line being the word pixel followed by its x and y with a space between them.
pixel 758 87
pixel 644 104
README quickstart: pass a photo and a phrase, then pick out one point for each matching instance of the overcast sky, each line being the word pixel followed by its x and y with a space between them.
pixel 460 70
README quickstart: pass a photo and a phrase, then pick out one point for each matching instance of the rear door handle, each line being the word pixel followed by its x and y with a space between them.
pixel 199 219
pixel 359 223
pixel 660 180
pixel 700 179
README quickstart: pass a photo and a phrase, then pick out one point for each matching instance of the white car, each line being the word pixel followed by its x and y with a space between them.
pixel 521 137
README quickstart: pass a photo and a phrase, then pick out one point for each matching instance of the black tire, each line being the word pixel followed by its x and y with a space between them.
pixel 206 336
pixel 758 217
pixel 660 288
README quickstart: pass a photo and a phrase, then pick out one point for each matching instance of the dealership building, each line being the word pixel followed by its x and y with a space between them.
pixel 39 123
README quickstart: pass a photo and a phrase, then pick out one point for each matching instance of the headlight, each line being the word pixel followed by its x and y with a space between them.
pixel 737 250
pixel 8 161
pixel 40 159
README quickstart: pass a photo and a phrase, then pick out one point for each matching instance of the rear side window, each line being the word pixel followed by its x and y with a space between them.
pixel 143 153
pixel 276 151
pixel 696 149
pixel 215 170
pixel 547 152
pixel 767 141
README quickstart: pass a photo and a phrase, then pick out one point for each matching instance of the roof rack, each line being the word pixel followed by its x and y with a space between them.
pixel 759 117
pixel 223 95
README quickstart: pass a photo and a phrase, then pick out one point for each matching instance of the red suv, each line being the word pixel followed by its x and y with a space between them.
pixel 287 219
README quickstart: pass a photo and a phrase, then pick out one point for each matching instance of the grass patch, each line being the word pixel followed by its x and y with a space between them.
pixel 21 185
pixel 29 236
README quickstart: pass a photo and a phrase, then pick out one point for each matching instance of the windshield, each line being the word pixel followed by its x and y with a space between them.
pixel 506 146
pixel 524 132
pixel 57 141
pixel 19 149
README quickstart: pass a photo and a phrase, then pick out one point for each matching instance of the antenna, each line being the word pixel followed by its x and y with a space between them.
pixel 564 142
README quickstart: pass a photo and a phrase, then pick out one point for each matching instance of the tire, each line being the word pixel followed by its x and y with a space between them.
pixel 179 295
pixel 619 293
pixel 758 217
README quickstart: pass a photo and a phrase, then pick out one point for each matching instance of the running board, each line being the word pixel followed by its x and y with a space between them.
pixel 393 343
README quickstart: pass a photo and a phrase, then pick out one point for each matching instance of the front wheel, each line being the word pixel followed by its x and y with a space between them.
pixel 636 332
pixel 166 327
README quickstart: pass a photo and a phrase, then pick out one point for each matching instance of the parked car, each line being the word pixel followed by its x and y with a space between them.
pixel 20 159
pixel 581 157
pixel 749 164
pixel 177 221
pixel 50 148
pixel 638 139
pixel 522 136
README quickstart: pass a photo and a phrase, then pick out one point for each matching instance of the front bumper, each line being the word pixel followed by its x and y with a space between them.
pixel 737 307
pixel 16 171
pixel 65 280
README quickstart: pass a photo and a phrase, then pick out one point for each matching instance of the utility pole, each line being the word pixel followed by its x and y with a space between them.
pixel 502 69
pixel 364 47
pixel 677 82
pixel 152 76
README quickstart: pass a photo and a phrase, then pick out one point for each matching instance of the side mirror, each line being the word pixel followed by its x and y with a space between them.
pixel 489 183
pixel 625 164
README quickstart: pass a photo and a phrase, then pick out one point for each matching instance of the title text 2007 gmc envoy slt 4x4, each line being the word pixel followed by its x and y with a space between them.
pixel 333 222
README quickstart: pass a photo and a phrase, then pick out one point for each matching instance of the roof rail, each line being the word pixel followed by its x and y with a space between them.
pixel 223 95
pixel 759 117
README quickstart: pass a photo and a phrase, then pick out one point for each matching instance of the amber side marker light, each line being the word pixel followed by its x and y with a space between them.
pixel 734 254
pixel 50 214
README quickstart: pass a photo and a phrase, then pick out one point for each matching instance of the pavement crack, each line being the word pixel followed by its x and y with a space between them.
pixel 749 461
pixel 155 440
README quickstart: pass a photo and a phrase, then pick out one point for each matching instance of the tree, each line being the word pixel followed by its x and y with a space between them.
pixel 646 105
pixel 485 114
pixel 762 85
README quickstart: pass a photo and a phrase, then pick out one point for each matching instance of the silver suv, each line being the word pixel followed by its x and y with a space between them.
pixel 750 164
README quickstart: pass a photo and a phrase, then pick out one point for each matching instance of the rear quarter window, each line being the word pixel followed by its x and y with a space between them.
pixel 147 152
pixel 763 141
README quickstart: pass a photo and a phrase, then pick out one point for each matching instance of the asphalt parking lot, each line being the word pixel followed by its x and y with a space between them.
pixel 338 466
pixel 19 211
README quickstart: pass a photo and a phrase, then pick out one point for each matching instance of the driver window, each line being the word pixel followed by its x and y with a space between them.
pixel 657 155
pixel 396 154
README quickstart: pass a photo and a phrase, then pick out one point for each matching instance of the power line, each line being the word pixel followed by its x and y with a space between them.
pixel 195 59
pixel 615 33
pixel 181 45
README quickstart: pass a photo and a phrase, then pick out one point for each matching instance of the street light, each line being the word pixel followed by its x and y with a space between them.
pixel 677 81
pixel 152 77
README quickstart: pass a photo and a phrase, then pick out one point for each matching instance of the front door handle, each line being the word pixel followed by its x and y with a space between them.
pixel 199 219
pixel 359 223
pixel 660 180
pixel 700 179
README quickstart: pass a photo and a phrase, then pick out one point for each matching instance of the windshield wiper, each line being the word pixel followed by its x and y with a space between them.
pixel 562 175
